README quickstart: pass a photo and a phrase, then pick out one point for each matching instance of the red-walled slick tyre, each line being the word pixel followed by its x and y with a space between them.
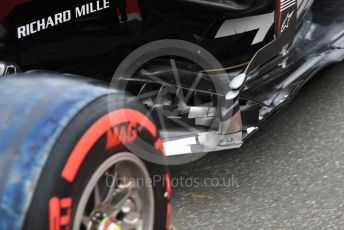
pixel 94 176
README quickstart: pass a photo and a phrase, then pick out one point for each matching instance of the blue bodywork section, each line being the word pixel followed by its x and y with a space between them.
pixel 33 112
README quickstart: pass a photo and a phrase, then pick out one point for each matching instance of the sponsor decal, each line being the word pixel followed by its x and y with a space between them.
pixel 286 21
pixel 113 119
pixel 286 4
pixel 61 17
pixel 124 133
pixel 260 23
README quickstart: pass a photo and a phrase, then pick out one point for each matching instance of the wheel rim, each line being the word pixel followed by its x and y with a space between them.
pixel 118 195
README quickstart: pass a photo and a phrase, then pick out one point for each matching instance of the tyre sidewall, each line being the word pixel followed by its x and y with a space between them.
pixel 53 188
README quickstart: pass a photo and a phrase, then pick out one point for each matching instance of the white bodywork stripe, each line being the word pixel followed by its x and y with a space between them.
pixel 262 23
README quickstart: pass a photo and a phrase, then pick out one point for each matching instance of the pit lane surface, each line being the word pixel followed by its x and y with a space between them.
pixel 289 175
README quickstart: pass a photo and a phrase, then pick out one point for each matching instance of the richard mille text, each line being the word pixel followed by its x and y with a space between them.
pixel 61 17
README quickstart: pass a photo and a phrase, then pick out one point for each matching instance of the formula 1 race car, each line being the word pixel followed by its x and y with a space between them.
pixel 97 97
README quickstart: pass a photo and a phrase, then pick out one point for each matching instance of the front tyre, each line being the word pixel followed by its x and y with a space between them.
pixel 84 151
pixel 94 181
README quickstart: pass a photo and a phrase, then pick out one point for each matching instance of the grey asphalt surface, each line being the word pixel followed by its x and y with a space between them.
pixel 289 175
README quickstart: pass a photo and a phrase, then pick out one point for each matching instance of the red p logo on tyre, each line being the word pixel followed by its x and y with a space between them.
pixel 60 211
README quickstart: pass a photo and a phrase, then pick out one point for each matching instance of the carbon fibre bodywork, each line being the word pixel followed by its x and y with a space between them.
pixel 270 47
pixel 89 43
pixel 271 58
pixel 318 42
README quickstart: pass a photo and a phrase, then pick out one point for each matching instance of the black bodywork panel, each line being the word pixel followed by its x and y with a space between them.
pixel 97 41
pixel 94 41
